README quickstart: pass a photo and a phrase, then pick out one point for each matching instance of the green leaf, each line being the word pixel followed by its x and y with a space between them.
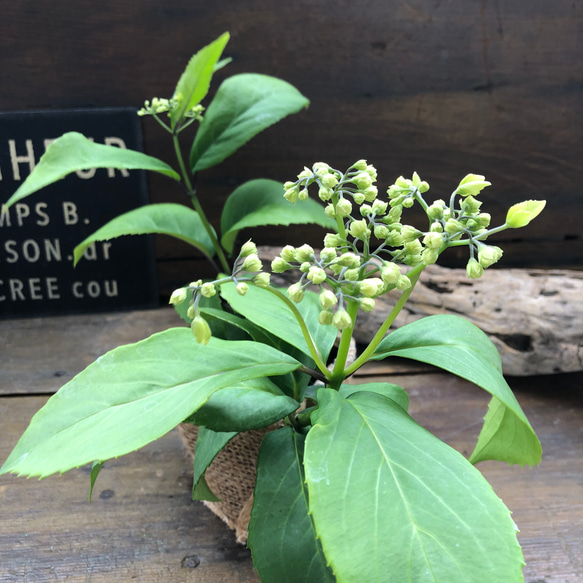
pixel 171 219
pixel 456 345
pixel 268 311
pixel 73 151
pixel 244 406
pixel 260 202
pixel 208 445
pixel 391 502
pixel 134 395
pixel 393 392
pixel 243 106
pixel 194 83
pixel 281 534
pixel 95 469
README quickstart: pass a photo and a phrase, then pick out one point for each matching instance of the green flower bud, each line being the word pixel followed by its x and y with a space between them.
pixel 321 168
pixel 429 256
pixel 291 195
pixel 371 287
pixel 360 165
pixel 366 304
pixel 408 203
pixel 279 265
pixel 362 180
pixel 522 213
pixel 262 280
pixel 410 234
pixel 327 299
pixel 372 171
pixel 452 226
pixel 191 312
pixel 436 228
pixel 330 211
pixel 474 269
pixel 352 274
pixel 178 296
pixel 305 253
pixel 343 208
pixel 328 254
pixel 403 283
pixel 436 209
pixel 413 247
pixel 252 263
pixel 242 288
pixel 329 181
pixel 390 273
pixel 208 290
pixel 488 255
pixel 403 183
pixel 350 260
pixel 359 229
pixel 303 194
pixel 381 232
pixel 288 253
pixel 433 240
pixel 201 330
pixel 325 193
pixel 379 207
pixel 341 319
pixel 394 239
pixel 305 173
pixel 395 213
pixel 471 206
pixel 333 240
pixel 483 219
pixel 305 267
pixel 248 248
pixel 370 193
pixel 295 293
pixel 325 318
pixel 412 259
pixel 358 197
pixel 287 185
pixel 365 210
pixel 472 184
pixel 316 275
pixel 335 268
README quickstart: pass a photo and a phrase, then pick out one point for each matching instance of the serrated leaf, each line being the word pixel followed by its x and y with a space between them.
pixel 134 395
pixel 391 502
pixel 260 202
pixel 266 310
pixel 194 83
pixel 281 534
pixel 208 445
pixel 243 106
pixel 73 151
pixel 175 220
pixel 244 406
pixel 458 346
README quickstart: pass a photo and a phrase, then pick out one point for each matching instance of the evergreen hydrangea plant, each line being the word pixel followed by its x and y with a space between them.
pixel 349 487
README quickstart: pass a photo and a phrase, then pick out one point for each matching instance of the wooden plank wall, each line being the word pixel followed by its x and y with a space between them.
pixel 443 88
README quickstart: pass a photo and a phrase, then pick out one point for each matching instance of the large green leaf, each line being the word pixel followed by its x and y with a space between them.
pixel 172 219
pixel 194 83
pixel 389 390
pixel 133 395
pixel 208 445
pixel 391 502
pixel 456 345
pixel 73 151
pixel 260 202
pixel 268 311
pixel 244 406
pixel 281 533
pixel 243 106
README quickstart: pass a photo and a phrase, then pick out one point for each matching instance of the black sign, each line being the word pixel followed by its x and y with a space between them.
pixel 38 234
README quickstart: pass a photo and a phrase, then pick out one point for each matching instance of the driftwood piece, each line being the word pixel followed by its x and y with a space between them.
pixel 534 316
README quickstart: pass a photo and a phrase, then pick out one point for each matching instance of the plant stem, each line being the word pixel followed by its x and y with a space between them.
pixel 413 275
pixel 309 340
pixel 197 206
pixel 338 373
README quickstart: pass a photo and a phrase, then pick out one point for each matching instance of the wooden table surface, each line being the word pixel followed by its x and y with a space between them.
pixel 142 525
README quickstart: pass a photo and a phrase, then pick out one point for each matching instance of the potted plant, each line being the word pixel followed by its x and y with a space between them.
pixel 349 487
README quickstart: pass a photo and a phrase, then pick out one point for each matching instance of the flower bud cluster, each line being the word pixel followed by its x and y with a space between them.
pixel 247 268
pixel 159 105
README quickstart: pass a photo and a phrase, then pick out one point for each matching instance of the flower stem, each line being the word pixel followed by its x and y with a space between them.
pixel 413 275
pixel 197 206
pixel 338 373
